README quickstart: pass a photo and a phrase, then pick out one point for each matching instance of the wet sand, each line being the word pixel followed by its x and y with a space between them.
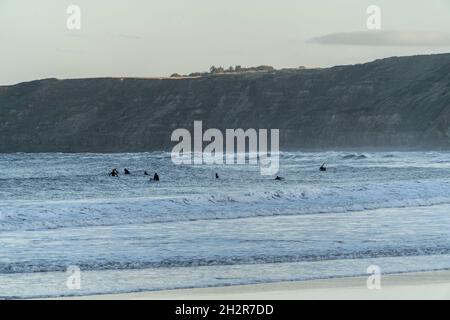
pixel 421 285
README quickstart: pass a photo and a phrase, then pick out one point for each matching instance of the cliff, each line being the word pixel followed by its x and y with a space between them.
pixel 400 102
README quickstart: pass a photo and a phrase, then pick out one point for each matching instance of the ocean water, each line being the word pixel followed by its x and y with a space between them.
pixel 129 234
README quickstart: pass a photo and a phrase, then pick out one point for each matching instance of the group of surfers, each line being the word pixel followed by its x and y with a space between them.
pixel 115 173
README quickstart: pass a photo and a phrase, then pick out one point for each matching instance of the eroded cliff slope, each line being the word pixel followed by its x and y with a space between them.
pixel 391 103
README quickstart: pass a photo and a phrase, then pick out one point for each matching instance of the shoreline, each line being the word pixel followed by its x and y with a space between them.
pixel 408 286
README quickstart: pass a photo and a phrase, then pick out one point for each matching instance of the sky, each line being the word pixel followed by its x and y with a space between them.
pixel 155 38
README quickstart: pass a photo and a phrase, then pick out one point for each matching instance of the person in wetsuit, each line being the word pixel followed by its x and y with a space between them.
pixel 146 173
pixel 217 176
pixel 156 177
pixel 323 168
pixel 126 171
pixel 114 173
pixel 279 178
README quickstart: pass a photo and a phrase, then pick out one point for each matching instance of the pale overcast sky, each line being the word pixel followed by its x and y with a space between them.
pixel 146 38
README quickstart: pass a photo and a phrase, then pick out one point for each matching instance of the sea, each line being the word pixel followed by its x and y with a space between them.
pixel 68 229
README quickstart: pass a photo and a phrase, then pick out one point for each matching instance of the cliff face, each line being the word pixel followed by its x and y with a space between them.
pixel 390 103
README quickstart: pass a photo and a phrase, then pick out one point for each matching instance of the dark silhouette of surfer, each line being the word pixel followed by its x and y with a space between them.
pixel 278 178
pixel 114 173
pixel 217 176
pixel 156 177
pixel 146 173
pixel 323 168
pixel 126 171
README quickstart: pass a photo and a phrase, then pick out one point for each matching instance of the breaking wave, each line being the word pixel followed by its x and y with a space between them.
pixel 35 215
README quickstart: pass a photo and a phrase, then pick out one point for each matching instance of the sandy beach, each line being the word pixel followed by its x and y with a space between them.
pixel 422 285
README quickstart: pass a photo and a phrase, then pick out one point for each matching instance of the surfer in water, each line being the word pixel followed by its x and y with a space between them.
pixel 114 173
pixel 278 178
pixel 126 171
pixel 323 168
pixel 217 176
pixel 156 177
pixel 146 173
